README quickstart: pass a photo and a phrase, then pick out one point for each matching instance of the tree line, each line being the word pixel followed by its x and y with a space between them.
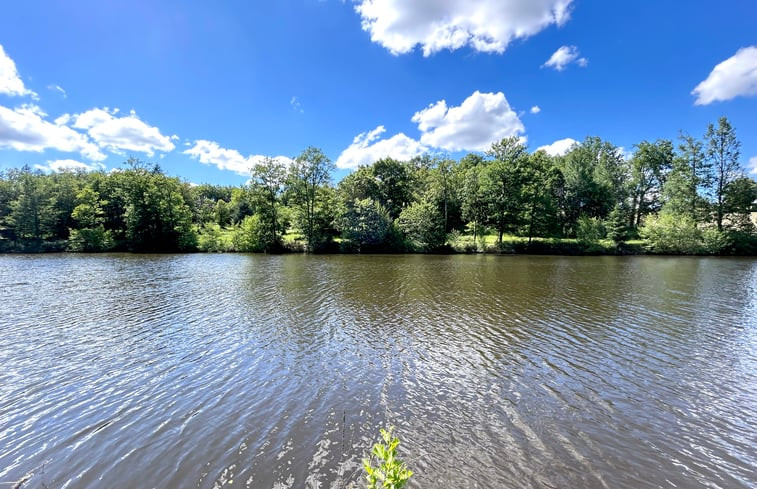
pixel 690 196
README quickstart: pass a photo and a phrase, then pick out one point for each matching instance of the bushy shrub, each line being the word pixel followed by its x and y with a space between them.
pixel 714 242
pixel 211 240
pixel 743 242
pixel 251 236
pixel 423 225
pixel 90 239
pixel 588 233
pixel 673 233
pixel 365 224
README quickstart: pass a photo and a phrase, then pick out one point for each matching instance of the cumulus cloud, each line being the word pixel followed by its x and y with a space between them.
pixel 69 165
pixel 535 109
pixel 564 56
pixel 559 147
pixel 481 119
pixel 474 125
pixel 118 134
pixel 34 109
pixel 25 129
pixel 211 153
pixel 367 148
pixel 10 83
pixel 734 77
pixel 483 25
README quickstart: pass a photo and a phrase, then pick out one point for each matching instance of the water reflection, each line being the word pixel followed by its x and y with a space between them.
pixel 275 371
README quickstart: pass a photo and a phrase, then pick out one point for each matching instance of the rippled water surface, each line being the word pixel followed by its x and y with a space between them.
pixel 180 371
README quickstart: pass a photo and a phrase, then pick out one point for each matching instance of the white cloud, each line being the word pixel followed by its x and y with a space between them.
pixel 10 83
pixel 736 76
pixel 25 129
pixel 57 88
pixel 34 109
pixel 118 134
pixel 535 109
pixel 366 149
pixel 296 105
pixel 564 56
pixel 211 153
pixel 435 25
pixel 753 165
pixel 559 147
pixel 624 153
pixel 474 125
pixel 69 165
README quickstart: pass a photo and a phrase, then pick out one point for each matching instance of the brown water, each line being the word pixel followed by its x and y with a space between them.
pixel 180 371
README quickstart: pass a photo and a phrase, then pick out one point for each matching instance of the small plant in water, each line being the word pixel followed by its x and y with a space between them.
pixel 389 472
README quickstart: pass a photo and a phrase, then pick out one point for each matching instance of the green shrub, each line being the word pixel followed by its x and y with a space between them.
pixel 90 239
pixel 714 242
pixel 673 233
pixel 743 242
pixel 364 224
pixel 423 225
pixel 588 233
pixel 210 239
pixel 253 236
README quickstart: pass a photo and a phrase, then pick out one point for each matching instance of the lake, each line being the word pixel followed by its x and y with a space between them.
pixel 178 371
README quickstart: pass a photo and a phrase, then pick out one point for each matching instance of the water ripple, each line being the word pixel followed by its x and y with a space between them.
pixel 276 371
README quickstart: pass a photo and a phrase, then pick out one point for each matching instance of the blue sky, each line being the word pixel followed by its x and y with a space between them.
pixel 208 88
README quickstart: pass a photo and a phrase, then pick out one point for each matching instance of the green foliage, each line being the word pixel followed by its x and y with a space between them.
pixel 543 186
pixel 503 182
pixel 90 239
pixel 649 167
pixel 474 199
pixel 254 236
pixel 671 233
pixel 460 243
pixel 388 182
pixel 714 241
pixel 88 215
pixel 595 176
pixel 383 469
pixel 309 176
pixel 722 152
pixel 402 206
pixel 589 231
pixel 679 234
pixel 268 180
pixel 739 201
pixel 210 239
pixel 440 184
pixel 423 224
pixel 617 227
pixel 743 242
pixel 241 205
pixel 222 214
pixel 29 213
pixel 394 185
pixel 364 223
pixel 687 181
pixel 157 218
